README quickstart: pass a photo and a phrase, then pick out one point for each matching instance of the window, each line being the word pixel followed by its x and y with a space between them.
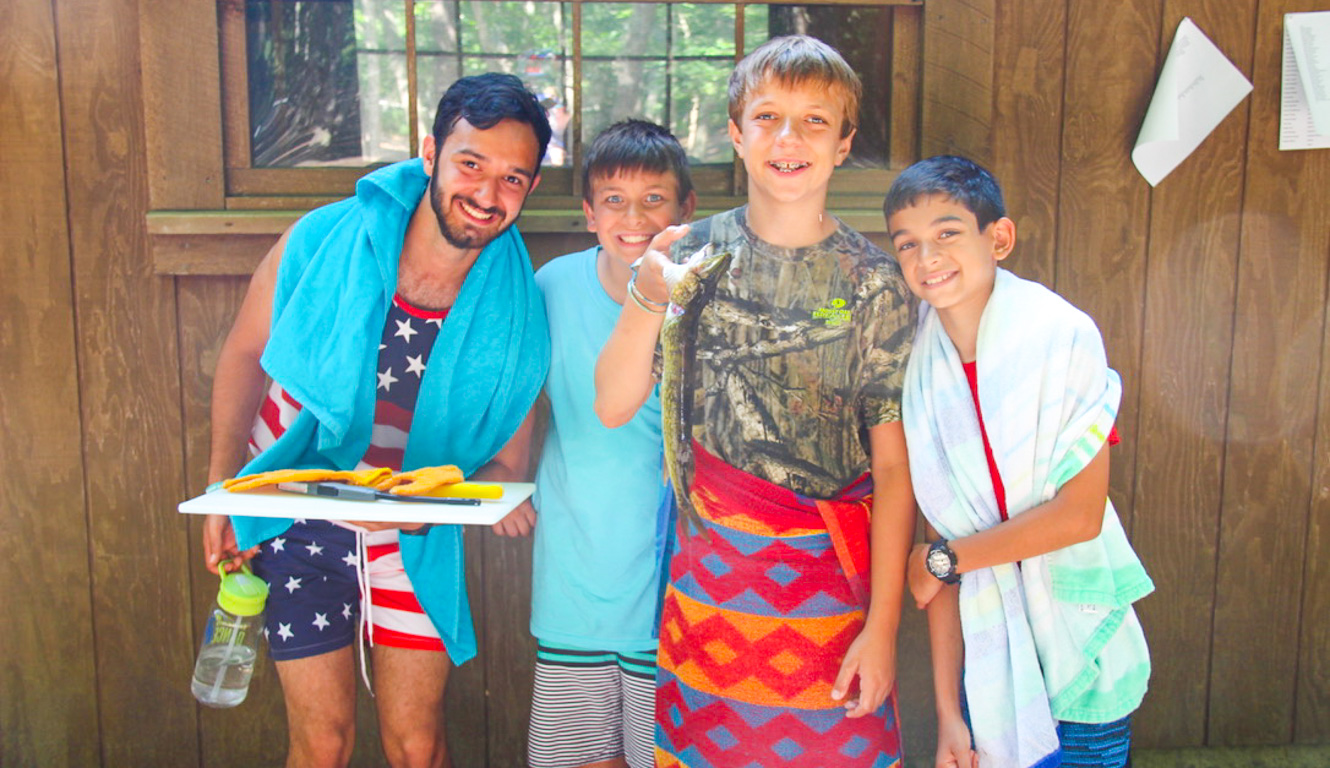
pixel 317 90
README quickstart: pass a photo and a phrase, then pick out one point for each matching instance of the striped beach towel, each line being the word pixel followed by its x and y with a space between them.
pixel 1041 639
pixel 759 611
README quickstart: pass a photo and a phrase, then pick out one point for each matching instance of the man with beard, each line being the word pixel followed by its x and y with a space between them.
pixel 400 329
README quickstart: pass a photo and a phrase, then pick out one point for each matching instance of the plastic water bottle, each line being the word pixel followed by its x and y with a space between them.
pixel 231 640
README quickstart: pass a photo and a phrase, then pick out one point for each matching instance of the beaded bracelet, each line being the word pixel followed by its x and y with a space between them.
pixel 642 301
pixel 632 281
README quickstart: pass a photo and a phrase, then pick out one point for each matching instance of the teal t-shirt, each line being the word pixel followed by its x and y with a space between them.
pixel 597 558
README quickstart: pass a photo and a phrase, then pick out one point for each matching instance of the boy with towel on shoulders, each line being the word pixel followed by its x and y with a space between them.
pixel 1009 406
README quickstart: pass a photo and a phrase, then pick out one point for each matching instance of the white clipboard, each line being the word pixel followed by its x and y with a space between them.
pixel 270 502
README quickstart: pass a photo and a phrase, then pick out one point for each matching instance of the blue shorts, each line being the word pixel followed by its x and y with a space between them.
pixel 1096 744
pixel 314 598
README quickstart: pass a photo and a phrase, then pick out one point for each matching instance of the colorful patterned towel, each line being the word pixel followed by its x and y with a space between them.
pixel 758 615
pixel 1035 635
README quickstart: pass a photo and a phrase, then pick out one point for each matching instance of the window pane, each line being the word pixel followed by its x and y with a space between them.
pixel 613 90
pixel 323 89
pixel 385 135
pixel 660 62
pixel 438 63
pixel 699 97
pixel 530 39
pixel 862 34
pixel 328 78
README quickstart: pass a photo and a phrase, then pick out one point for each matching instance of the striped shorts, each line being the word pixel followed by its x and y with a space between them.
pixel 589 706
pixel 314 592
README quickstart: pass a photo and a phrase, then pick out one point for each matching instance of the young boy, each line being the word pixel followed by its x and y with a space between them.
pixel 1009 405
pixel 596 585
pixel 767 624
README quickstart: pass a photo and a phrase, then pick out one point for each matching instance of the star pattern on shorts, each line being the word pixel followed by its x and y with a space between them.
pixel 405 330
pixel 292 584
pixel 278 544
pixel 351 559
pixel 321 621
pixel 284 631
pixel 314 549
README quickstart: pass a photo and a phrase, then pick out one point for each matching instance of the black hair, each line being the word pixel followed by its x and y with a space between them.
pixel 961 179
pixel 485 101
pixel 635 145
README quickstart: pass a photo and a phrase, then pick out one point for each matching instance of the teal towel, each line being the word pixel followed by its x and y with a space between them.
pixel 336 281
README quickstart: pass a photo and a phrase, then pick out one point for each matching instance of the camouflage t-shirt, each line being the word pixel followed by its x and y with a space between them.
pixel 801 351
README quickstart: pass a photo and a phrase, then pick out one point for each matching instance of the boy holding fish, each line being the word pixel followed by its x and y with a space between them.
pixel 784 357
pixel 597 557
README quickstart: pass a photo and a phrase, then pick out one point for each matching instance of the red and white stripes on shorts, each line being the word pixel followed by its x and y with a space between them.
pixel 395 613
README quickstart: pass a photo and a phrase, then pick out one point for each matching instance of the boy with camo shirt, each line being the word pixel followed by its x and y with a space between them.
pixel 801 355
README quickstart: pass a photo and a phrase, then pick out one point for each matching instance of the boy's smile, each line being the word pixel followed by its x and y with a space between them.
pixel 946 259
pixel 630 208
pixel 790 140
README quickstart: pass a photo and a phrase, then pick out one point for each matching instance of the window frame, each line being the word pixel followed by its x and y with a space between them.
pixel 244 181
pixel 942 77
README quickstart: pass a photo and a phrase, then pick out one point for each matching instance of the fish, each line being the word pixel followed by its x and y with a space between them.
pixel 679 332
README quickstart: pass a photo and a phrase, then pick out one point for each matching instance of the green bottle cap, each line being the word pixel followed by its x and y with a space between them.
pixel 242 593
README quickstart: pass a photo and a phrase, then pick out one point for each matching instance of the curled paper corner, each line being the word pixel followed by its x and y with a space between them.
pixel 1198 86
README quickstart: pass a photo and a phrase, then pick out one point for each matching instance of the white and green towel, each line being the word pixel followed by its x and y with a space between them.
pixel 1056 638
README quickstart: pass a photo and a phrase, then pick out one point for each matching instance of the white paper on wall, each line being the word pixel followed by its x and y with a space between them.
pixel 1304 113
pixel 1198 86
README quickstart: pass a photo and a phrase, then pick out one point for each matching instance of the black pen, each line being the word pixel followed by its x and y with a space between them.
pixel 349 492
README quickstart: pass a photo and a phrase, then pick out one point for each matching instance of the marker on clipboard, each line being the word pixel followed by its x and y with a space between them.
pixel 349 492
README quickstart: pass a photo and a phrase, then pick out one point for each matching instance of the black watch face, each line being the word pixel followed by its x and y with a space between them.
pixel 939 564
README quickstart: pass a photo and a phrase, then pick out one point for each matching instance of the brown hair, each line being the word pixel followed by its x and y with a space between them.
pixel 795 60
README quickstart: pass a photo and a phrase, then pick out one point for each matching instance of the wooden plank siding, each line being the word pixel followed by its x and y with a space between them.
pixel 1210 290
pixel 129 396
pixel 1278 330
pixel 1103 203
pixel 48 677
pixel 1191 271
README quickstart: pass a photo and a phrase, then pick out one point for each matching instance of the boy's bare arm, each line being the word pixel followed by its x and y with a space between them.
pixel 1074 515
pixel 237 390
pixel 873 654
pixel 623 370
pixel 948 652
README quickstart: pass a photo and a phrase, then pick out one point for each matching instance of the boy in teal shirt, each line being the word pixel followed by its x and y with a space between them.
pixel 597 558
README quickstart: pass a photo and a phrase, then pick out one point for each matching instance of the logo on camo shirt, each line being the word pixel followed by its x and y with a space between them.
pixel 834 315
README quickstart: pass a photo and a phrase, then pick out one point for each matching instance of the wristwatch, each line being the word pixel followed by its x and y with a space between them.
pixel 941 562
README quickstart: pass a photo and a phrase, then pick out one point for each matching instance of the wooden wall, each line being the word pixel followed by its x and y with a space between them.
pixel 1211 290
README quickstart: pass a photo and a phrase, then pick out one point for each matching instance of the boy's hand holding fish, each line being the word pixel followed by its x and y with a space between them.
pixel 655 274
pixel 624 369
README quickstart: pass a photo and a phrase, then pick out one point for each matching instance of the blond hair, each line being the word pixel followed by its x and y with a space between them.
pixel 796 60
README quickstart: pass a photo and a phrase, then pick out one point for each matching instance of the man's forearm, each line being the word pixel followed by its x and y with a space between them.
pixel 236 394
